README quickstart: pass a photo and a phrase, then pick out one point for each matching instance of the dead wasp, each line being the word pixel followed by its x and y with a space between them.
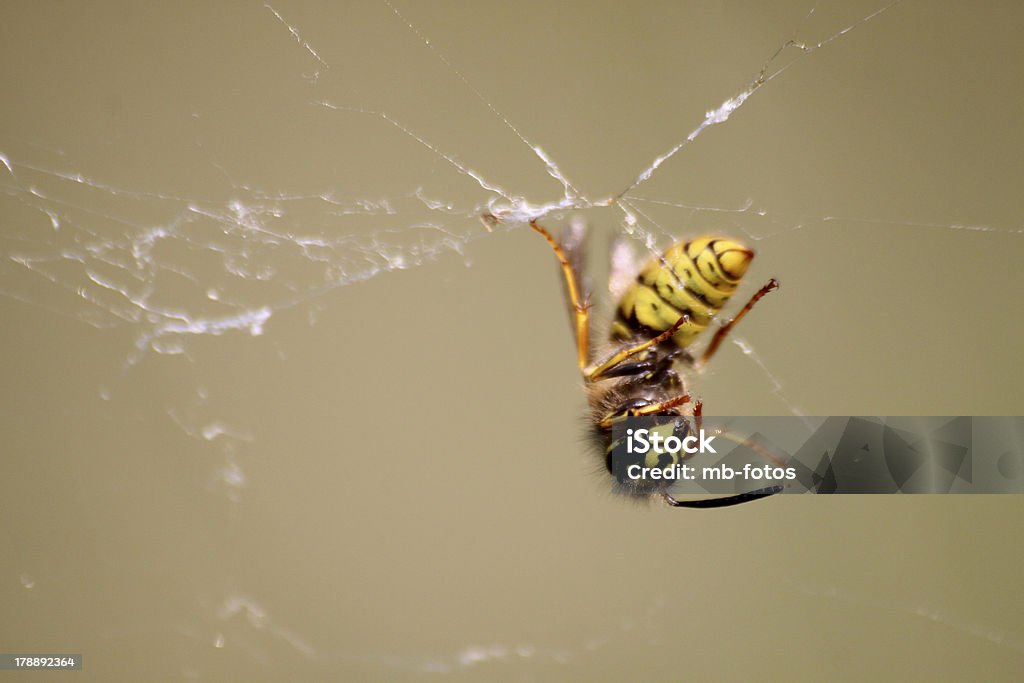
pixel 661 309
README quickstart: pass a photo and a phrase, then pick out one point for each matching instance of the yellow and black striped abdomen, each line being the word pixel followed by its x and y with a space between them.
pixel 693 278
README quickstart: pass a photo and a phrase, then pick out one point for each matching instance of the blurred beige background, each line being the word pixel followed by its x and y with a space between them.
pixel 388 481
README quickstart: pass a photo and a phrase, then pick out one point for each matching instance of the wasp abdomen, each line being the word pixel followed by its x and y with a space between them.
pixel 693 278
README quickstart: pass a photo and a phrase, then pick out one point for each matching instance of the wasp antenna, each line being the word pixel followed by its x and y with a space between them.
pixel 727 501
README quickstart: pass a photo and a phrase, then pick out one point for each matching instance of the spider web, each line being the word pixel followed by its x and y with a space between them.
pixel 110 254
pixel 375 138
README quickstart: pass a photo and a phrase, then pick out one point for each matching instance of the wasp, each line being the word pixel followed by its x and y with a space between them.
pixel 662 308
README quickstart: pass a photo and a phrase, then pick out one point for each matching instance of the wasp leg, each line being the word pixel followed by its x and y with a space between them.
pixel 654 370
pixel 656 408
pixel 726 501
pixel 724 330
pixel 651 409
pixel 581 309
pixel 748 442
pixel 640 367
pixel 597 372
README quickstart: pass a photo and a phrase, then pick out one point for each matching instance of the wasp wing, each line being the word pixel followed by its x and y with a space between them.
pixel 625 267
